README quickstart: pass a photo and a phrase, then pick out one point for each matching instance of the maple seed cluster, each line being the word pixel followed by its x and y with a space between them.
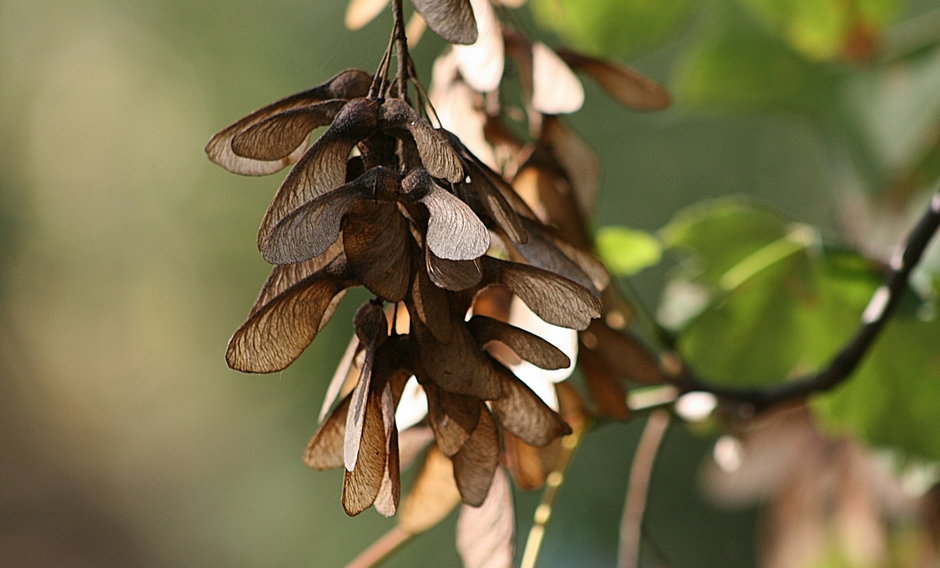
pixel 410 215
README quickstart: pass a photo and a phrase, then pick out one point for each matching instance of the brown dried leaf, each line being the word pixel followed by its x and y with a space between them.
pixel 481 63
pixel 347 84
pixel 526 345
pixel 553 298
pixel 454 275
pixel 361 12
pixel 277 136
pixel 454 230
pixel 477 460
pixel 278 332
pixel 361 485
pixel 524 414
pixel 453 20
pixel 453 417
pixel 433 495
pixel 623 84
pixel 555 88
pixel 325 449
pixel 485 533
pixel 323 166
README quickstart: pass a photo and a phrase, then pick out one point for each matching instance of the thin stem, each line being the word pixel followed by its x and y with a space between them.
pixel 553 483
pixel 377 88
pixel 401 48
pixel 380 550
pixel 631 523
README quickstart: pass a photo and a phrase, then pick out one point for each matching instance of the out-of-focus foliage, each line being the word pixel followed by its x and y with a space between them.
pixel 612 27
pixel 778 304
pixel 627 251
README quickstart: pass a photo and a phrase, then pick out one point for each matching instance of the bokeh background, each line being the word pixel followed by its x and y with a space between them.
pixel 128 259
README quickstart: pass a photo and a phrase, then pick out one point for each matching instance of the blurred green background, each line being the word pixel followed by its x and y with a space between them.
pixel 128 259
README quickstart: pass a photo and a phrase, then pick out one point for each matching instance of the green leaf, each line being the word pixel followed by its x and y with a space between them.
pixel 627 251
pixel 737 65
pixel 780 306
pixel 826 29
pixel 715 236
pixel 611 27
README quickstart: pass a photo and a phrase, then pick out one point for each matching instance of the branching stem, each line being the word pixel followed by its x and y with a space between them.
pixel 881 307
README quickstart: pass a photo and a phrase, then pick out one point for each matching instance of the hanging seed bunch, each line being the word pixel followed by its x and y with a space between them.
pixel 473 246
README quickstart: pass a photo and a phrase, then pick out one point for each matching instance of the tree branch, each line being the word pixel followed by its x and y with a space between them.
pixel 881 307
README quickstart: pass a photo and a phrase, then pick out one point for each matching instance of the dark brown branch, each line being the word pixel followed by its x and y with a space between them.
pixel 881 307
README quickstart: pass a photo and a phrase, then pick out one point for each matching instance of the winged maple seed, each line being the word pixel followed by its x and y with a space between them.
pixel 476 298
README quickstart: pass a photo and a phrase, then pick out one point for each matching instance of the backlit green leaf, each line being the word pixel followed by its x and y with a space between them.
pixel 627 251
pixel 781 306
pixel 611 27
